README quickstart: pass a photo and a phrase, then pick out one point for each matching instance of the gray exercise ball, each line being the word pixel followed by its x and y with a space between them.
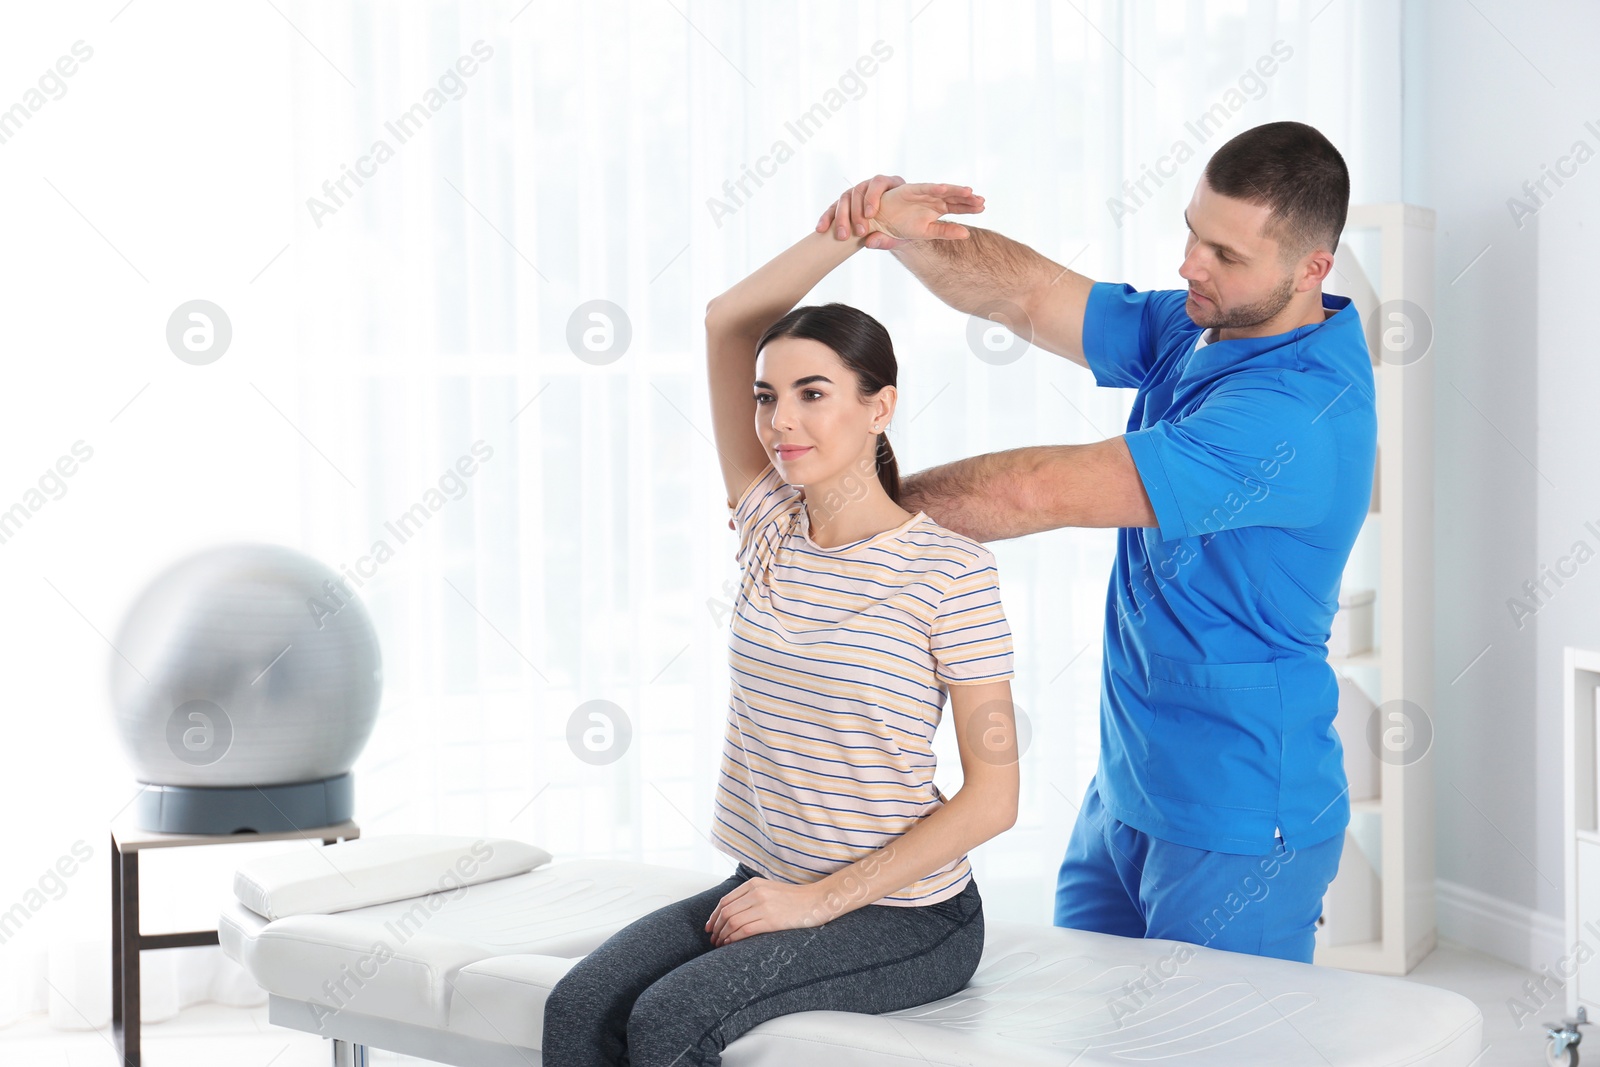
pixel 245 682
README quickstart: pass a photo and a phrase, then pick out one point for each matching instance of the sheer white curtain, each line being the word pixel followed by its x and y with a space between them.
pixel 649 155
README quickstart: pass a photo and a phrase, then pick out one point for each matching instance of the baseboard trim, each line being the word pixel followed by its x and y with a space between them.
pixel 1519 935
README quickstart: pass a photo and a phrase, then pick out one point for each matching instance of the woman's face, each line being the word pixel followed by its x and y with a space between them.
pixel 809 416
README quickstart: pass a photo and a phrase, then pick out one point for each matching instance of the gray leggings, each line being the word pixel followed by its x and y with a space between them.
pixel 657 992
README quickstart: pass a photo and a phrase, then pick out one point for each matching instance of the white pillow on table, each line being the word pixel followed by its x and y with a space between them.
pixel 376 870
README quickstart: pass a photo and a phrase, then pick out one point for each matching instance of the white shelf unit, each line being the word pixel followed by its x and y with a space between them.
pixel 1384 891
pixel 1581 671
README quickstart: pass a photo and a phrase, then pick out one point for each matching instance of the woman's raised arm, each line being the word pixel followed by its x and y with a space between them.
pixel 734 323
pixel 736 319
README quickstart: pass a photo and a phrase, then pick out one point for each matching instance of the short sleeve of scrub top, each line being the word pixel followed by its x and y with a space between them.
pixel 1259 438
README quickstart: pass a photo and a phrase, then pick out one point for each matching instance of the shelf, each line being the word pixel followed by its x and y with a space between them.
pixel 1358 956
pixel 1370 957
pixel 1394 557
pixel 1580 717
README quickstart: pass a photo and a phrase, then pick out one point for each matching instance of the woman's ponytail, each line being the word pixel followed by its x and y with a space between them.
pixel 888 468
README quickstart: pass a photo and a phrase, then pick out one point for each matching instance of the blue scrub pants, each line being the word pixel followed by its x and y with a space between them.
pixel 1119 880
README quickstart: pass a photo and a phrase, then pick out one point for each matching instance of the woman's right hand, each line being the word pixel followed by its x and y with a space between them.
pixel 890 212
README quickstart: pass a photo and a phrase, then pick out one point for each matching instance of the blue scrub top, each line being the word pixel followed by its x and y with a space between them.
pixel 1217 701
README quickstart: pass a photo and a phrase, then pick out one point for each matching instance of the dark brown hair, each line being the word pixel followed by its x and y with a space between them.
pixel 1294 170
pixel 863 345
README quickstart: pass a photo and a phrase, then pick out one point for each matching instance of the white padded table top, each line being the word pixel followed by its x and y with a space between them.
pixel 1044 995
pixel 561 911
pixel 480 962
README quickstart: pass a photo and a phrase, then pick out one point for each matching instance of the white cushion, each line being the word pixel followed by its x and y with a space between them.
pixel 502 999
pixel 377 870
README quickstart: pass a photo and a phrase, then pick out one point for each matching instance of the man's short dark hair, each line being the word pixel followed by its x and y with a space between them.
pixel 1294 170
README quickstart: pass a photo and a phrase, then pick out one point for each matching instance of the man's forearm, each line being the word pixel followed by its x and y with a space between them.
pixel 984 497
pixel 986 266
pixel 1029 490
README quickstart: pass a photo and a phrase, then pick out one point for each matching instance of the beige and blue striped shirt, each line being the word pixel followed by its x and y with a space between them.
pixel 841 660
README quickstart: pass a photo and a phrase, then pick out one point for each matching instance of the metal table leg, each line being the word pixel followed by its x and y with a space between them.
pixel 127 942
pixel 116 948
pixel 125 948
pixel 349 1054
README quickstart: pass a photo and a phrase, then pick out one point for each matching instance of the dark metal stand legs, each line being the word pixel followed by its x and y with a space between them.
pixel 126 944
pixel 125 950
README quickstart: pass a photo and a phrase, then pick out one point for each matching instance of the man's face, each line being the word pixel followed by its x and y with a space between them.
pixel 1235 273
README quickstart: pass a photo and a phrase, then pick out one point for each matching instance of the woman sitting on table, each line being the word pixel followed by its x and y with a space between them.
pixel 854 620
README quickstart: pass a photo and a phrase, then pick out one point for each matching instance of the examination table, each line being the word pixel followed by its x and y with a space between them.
pixel 445 948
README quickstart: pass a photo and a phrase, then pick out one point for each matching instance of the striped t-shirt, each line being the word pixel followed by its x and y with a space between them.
pixel 840 661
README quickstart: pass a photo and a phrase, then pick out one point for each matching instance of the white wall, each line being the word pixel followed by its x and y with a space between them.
pixel 1494 93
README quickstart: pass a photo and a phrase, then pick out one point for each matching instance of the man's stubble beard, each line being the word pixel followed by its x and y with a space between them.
pixel 1252 314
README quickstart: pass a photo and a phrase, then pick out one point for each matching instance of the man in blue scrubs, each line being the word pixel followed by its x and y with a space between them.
pixel 1216 815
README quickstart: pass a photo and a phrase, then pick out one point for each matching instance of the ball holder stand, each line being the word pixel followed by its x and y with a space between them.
pixel 128 941
pixel 257 688
pixel 190 809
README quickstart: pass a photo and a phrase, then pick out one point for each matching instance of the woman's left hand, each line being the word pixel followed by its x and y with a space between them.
pixel 761 905
pixel 912 213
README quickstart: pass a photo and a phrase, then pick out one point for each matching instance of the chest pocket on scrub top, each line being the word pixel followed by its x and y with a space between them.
pixel 1216 736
